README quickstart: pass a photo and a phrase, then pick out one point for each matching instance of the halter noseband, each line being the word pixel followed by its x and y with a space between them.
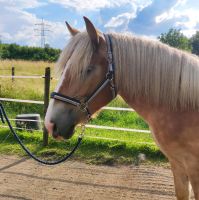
pixel 109 79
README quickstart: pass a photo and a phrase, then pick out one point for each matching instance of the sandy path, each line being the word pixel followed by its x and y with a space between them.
pixel 26 180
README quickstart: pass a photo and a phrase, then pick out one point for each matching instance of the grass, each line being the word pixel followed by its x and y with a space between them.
pixel 24 67
pixel 124 148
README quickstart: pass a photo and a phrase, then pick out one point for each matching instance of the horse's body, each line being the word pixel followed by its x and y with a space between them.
pixel 176 133
pixel 159 82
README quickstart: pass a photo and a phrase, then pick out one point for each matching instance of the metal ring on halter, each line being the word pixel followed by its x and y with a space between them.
pixel 83 106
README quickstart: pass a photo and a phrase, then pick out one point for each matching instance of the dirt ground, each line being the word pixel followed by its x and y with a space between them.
pixel 27 180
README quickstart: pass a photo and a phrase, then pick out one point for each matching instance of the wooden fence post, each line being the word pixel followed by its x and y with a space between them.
pixel 13 73
pixel 46 101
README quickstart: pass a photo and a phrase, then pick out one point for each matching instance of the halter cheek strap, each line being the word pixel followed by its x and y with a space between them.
pixel 111 65
pixel 109 79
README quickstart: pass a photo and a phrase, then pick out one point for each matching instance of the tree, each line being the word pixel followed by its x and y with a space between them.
pixel 175 38
pixel 0 51
pixel 13 51
pixel 5 54
pixel 195 43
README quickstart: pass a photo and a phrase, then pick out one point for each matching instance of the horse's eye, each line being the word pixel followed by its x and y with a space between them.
pixel 89 69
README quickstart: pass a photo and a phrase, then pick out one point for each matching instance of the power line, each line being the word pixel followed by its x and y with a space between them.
pixel 42 31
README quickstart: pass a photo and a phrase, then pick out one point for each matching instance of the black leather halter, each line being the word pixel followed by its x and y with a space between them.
pixel 109 79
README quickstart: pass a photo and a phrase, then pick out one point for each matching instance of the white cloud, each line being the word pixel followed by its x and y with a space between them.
pixel 89 5
pixel 173 12
pixel 192 19
pixel 124 18
pixel 17 25
pixel 185 14
pixel 80 5
pixel 22 3
pixel 188 32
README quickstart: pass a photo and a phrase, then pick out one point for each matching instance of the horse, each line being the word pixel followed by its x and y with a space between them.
pixel 159 82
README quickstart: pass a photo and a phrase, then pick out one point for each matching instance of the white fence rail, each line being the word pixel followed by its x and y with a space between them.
pixel 93 126
pixel 22 101
pixel 22 77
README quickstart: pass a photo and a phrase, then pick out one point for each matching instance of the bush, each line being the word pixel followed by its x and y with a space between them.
pixel 14 51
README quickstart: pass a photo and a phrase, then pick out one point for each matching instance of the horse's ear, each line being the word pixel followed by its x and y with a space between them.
pixel 72 31
pixel 92 32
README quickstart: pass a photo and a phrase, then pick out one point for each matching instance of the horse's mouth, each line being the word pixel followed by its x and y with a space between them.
pixel 58 134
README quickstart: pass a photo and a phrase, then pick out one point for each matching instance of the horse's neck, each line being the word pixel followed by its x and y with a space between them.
pixel 149 112
pixel 140 105
pixel 129 72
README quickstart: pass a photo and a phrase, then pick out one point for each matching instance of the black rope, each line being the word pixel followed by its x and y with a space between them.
pixel 1 115
pixel 4 118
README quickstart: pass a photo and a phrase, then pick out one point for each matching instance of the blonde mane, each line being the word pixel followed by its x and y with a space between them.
pixel 163 75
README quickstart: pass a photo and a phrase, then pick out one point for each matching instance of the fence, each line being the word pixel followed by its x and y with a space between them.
pixel 45 102
pixel 12 72
pixel 47 78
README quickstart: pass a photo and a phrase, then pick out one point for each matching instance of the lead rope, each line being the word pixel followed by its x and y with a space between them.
pixel 4 119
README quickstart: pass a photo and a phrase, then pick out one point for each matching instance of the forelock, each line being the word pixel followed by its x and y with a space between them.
pixel 75 56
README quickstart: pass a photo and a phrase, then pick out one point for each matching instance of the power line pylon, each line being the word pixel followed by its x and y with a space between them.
pixel 42 31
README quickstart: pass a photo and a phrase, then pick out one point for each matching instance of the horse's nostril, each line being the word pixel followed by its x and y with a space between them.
pixel 54 128
pixel 55 131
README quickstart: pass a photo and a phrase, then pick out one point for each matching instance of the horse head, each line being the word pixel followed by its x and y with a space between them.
pixel 84 85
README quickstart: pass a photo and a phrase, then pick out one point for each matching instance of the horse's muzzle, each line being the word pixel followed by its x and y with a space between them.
pixel 60 132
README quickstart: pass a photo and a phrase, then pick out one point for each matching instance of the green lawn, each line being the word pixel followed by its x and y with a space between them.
pixel 125 149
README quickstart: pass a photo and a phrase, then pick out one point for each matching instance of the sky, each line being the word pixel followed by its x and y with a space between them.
pixel 140 17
